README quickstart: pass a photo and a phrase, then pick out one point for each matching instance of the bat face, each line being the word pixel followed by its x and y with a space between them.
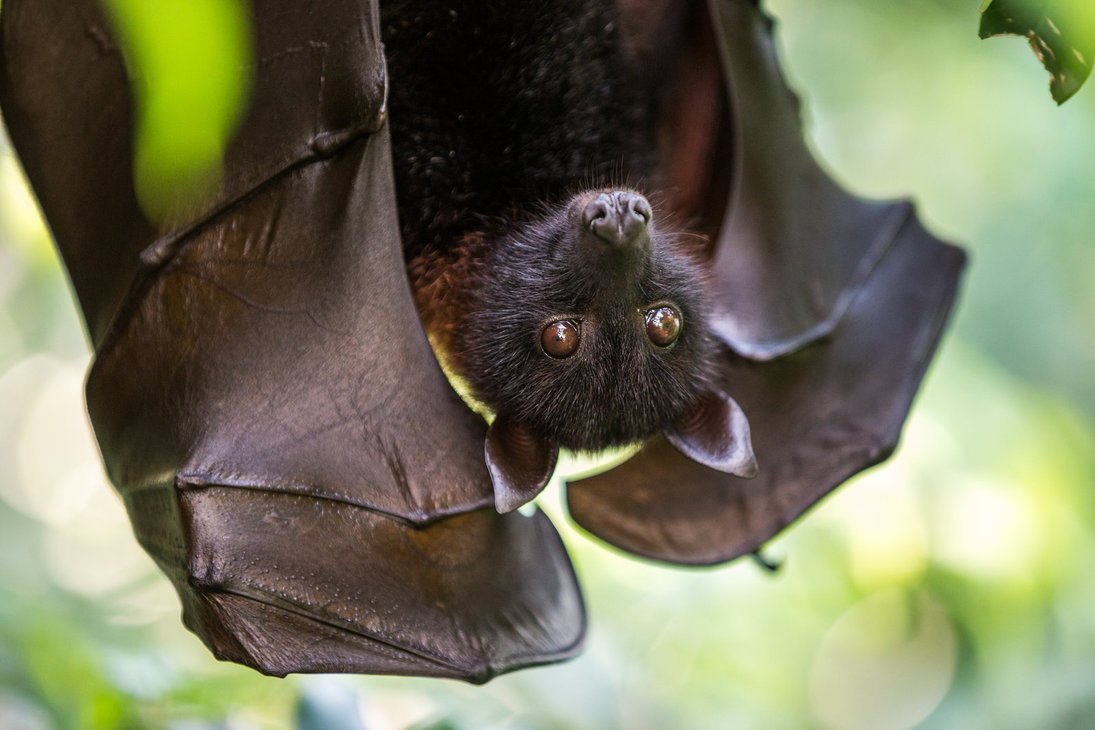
pixel 591 328
pixel 585 328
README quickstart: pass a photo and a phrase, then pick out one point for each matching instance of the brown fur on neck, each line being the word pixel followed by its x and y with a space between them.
pixel 443 282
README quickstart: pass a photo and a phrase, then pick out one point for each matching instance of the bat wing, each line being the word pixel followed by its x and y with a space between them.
pixel 830 307
pixel 262 392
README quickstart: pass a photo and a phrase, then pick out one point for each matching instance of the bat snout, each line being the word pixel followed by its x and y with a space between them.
pixel 619 218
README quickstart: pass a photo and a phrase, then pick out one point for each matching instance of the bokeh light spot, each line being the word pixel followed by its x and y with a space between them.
pixel 885 664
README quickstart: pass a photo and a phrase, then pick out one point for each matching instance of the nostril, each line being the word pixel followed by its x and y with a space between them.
pixel 602 217
pixel 638 205
pixel 635 214
pixel 597 211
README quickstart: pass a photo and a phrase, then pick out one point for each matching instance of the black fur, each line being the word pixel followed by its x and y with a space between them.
pixel 502 114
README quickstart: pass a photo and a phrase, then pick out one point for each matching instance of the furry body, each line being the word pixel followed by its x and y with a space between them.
pixel 506 120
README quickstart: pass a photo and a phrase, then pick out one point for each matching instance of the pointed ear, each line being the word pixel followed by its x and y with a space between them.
pixel 520 463
pixel 715 433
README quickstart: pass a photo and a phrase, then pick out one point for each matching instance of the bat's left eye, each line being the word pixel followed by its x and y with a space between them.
pixel 663 325
pixel 561 339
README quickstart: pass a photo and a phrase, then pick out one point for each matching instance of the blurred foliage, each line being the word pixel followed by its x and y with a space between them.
pixel 1061 34
pixel 951 587
pixel 190 63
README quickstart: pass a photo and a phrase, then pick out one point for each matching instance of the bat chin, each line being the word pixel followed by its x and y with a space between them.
pixel 713 432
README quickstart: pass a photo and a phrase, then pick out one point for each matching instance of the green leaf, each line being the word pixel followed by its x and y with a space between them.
pixel 191 63
pixel 1061 32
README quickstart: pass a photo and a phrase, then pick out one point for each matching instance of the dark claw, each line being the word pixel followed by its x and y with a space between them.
pixel 766 563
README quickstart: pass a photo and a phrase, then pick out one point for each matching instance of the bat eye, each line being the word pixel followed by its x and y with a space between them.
pixel 663 325
pixel 560 339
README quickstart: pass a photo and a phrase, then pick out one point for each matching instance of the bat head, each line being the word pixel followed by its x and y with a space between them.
pixel 591 332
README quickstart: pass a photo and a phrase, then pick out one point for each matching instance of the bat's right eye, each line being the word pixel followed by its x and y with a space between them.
pixel 663 325
pixel 560 339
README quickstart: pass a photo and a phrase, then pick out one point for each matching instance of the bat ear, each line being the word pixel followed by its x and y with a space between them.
pixel 715 433
pixel 520 463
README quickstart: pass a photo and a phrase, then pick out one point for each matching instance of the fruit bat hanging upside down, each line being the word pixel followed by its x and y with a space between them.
pixel 614 234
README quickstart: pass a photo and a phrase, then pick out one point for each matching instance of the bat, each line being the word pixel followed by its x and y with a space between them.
pixel 573 312
pixel 270 409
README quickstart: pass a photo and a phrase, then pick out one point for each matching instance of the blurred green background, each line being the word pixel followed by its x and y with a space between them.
pixel 953 587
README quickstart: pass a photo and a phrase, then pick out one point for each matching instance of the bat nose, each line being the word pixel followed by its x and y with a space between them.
pixel 619 217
